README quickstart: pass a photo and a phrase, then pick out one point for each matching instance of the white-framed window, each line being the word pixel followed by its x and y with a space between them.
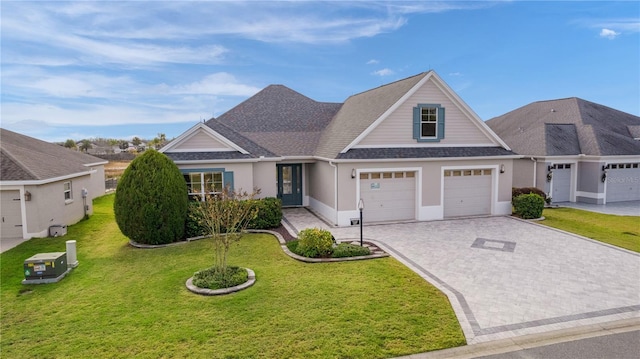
pixel 428 123
pixel 203 183
pixel 68 193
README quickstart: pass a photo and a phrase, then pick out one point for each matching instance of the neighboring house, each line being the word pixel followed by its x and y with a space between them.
pixel 574 150
pixel 410 150
pixel 41 184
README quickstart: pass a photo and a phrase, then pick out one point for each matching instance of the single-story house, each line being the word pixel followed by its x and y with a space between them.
pixel 44 184
pixel 574 150
pixel 407 150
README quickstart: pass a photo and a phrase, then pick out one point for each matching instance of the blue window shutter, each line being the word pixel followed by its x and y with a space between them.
pixel 227 180
pixel 440 122
pixel 416 123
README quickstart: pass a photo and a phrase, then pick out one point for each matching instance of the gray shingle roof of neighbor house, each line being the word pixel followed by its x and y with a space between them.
pixel 280 120
pixel 568 126
pixel 24 158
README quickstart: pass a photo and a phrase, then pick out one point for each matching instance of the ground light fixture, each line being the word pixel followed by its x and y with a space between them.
pixel 361 207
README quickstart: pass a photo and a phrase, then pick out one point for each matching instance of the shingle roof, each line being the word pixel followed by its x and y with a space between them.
pixel 599 130
pixel 280 120
pixel 423 152
pixel 24 158
pixel 200 156
pixel 359 112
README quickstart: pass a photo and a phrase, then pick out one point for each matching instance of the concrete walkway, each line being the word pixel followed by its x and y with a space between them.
pixel 628 208
pixel 506 277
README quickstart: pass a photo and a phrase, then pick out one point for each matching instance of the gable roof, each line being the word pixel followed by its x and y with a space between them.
pixel 359 112
pixel 24 158
pixel 568 126
pixel 280 120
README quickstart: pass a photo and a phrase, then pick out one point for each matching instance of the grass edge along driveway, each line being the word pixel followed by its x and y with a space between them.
pixel 621 231
pixel 125 302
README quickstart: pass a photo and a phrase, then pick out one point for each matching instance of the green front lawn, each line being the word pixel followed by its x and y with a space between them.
pixel 122 302
pixel 621 231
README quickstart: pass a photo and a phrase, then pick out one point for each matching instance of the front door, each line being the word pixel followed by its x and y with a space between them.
pixel 290 184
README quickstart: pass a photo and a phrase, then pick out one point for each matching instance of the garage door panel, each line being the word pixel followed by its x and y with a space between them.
pixel 561 185
pixel 623 184
pixel 388 199
pixel 467 193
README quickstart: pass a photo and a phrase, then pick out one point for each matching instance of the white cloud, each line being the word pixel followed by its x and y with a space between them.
pixel 383 72
pixel 609 34
pixel 456 74
pixel 373 62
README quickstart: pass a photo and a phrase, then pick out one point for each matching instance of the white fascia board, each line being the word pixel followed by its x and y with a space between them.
pixel 457 100
pixel 246 160
pixel 430 159
pixel 45 181
pixel 622 158
pixel 180 138
pixel 193 131
pixel 388 112
pixel 414 145
pixel 96 164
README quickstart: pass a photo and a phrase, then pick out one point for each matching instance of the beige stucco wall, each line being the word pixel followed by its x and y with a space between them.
pixel 265 178
pixel 321 183
pixel 431 178
pixel 48 206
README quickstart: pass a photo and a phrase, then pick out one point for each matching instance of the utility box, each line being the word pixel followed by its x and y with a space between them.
pixel 45 266
pixel 57 230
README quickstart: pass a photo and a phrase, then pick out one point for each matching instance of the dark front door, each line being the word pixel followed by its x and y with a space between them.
pixel 290 184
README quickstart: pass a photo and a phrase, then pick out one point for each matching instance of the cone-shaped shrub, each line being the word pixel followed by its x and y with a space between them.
pixel 151 200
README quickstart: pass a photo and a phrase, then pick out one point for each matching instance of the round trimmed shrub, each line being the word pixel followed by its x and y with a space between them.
pixel 528 206
pixel 315 242
pixel 269 213
pixel 151 200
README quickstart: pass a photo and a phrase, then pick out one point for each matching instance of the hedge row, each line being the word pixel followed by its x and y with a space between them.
pixel 269 216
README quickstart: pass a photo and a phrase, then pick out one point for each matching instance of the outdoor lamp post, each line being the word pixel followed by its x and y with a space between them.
pixel 361 207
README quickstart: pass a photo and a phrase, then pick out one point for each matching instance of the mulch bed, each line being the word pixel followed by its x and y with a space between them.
pixel 284 233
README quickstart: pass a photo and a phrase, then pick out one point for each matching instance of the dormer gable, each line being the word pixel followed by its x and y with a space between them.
pixel 201 138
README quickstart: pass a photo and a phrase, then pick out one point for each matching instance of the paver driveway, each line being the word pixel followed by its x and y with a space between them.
pixel 506 277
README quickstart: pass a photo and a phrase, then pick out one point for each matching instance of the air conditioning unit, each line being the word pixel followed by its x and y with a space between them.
pixel 57 230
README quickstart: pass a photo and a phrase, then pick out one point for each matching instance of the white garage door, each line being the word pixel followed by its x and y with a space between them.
pixel 467 192
pixel 11 226
pixel 388 196
pixel 561 183
pixel 623 182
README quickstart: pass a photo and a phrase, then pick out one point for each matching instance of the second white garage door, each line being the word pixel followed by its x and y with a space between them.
pixel 388 196
pixel 467 192
pixel 623 182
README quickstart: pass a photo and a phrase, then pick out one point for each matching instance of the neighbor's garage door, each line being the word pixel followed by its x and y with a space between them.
pixel 11 226
pixel 467 192
pixel 561 183
pixel 623 182
pixel 388 196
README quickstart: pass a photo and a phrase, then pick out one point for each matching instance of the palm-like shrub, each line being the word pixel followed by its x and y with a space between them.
pixel 151 200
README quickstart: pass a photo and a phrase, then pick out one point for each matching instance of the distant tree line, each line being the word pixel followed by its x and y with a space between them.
pixel 134 145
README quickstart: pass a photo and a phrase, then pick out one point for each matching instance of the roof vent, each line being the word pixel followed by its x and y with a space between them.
pixel 553 110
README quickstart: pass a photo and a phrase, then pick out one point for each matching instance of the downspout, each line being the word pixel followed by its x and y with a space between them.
pixel 535 167
pixel 335 185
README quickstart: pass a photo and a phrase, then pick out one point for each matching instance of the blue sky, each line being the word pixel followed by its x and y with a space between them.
pixel 133 68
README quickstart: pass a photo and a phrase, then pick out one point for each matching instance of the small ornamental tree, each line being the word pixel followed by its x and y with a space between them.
pixel 224 217
pixel 151 200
